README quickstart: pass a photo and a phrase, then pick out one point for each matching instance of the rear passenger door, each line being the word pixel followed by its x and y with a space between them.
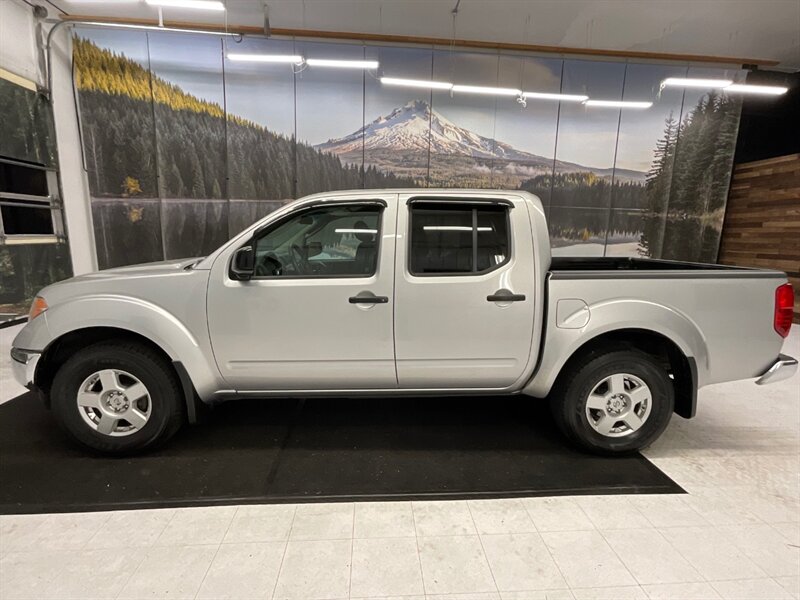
pixel 464 292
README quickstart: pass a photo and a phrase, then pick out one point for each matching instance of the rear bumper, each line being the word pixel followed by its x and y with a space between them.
pixel 783 368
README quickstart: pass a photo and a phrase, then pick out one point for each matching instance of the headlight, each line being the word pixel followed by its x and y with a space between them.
pixel 38 306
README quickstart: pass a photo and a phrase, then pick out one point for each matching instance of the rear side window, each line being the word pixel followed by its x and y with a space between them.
pixel 457 239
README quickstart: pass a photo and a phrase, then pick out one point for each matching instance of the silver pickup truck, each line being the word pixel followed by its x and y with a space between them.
pixel 402 292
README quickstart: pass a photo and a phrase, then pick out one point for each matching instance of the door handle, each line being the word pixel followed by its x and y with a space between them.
pixel 505 296
pixel 368 299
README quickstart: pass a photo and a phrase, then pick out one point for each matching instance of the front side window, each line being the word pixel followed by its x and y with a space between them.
pixel 324 241
pixel 457 239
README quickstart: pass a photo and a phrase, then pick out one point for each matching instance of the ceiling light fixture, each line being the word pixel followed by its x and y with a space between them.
pixel 618 103
pixel 695 83
pixel 268 58
pixel 342 64
pixel 560 97
pixel 198 4
pixel 417 83
pixel 766 90
pixel 492 91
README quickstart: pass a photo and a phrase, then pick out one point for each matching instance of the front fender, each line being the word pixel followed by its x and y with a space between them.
pixel 613 315
pixel 131 314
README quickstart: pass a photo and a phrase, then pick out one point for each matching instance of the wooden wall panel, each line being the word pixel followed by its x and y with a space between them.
pixel 762 220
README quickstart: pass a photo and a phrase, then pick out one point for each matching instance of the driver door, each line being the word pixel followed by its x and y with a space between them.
pixel 317 315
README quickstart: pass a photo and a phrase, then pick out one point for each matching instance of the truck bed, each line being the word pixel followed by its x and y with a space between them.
pixel 621 267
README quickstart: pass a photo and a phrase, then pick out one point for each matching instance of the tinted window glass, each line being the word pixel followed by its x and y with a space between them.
pixel 457 239
pixel 21 220
pixel 334 241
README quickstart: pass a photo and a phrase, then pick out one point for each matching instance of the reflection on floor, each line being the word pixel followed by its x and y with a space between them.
pixel 735 535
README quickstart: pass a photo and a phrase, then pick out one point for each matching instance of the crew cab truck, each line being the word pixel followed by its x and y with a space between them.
pixel 400 292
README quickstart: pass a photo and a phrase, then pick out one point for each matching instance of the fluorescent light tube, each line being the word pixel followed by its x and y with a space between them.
pixel 199 4
pixel 417 83
pixel 493 91
pixel 268 58
pixel 453 228
pixel 152 27
pixel 618 103
pixel 561 97
pixel 342 64
pixel 347 230
pixel 695 83
pixel 767 90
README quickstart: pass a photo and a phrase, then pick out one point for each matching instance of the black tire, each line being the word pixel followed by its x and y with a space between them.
pixel 166 400
pixel 568 401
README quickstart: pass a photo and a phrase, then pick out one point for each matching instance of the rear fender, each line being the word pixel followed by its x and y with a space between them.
pixel 612 315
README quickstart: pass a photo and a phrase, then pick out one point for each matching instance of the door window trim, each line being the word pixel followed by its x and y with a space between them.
pixel 473 206
pixel 265 229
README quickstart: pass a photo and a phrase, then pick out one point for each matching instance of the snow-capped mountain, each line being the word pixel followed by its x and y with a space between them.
pixel 414 127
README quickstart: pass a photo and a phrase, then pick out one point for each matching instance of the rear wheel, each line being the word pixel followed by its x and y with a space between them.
pixel 614 403
pixel 117 398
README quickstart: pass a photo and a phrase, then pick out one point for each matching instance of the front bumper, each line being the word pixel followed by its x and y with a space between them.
pixel 783 368
pixel 23 366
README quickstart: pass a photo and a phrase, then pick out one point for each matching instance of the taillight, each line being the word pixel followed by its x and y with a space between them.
pixel 784 305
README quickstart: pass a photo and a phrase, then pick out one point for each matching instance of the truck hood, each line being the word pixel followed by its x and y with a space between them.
pixel 144 269
pixel 136 280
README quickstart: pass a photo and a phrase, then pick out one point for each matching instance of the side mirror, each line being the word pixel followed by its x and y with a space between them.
pixel 243 263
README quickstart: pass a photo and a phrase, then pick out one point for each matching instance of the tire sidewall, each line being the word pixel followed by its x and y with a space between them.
pixel 633 363
pixel 75 371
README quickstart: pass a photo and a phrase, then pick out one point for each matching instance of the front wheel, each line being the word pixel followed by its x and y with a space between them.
pixel 614 403
pixel 117 398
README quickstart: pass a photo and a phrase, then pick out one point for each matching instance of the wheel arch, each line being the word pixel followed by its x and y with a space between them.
pixel 681 366
pixel 63 347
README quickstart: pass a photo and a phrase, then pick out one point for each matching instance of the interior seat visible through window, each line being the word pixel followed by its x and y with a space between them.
pixel 452 239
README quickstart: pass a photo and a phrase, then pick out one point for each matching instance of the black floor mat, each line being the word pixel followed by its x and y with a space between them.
pixel 312 450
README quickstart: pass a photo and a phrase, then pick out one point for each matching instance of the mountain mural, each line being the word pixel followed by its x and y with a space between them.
pixel 414 129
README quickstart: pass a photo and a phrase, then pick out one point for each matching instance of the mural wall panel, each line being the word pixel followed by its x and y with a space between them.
pixel 236 139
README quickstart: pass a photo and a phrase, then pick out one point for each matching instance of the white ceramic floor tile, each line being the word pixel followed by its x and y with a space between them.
pixel 521 561
pixel 323 522
pixel 385 566
pixel 586 560
pixel 500 516
pixel 454 565
pixel 19 532
pixel 131 529
pixel 67 531
pixel 538 595
pixel 681 591
pixel 790 584
pixel 627 592
pixel 267 523
pixel 195 526
pixel 613 512
pixel 713 555
pixel 649 557
pixel 87 574
pixel 443 518
pixel 169 572
pixel 28 575
pixel 315 569
pixel 474 596
pixel 751 589
pixel 246 571
pixel 767 548
pixel 668 510
pixel 557 514
pixel 384 520
pixel 479 596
